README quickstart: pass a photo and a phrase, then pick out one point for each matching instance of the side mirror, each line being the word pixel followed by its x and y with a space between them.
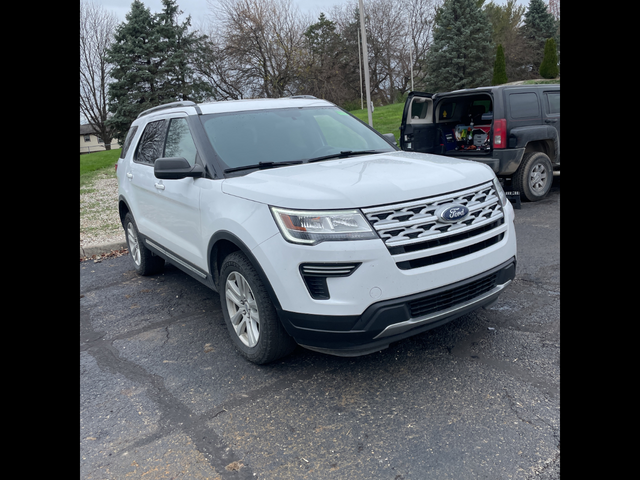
pixel 391 138
pixel 174 168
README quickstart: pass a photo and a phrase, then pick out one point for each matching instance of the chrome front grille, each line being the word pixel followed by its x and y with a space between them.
pixel 412 232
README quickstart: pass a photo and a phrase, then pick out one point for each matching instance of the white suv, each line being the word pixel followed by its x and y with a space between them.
pixel 314 228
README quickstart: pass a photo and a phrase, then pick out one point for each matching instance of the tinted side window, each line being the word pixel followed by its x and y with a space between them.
pixel 179 141
pixel 554 102
pixel 419 109
pixel 446 111
pixel 523 105
pixel 127 141
pixel 151 143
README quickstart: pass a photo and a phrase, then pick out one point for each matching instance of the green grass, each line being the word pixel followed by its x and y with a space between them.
pixel 97 164
pixel 386 119
pixel 542 82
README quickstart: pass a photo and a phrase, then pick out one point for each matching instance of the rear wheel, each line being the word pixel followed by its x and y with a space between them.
pixel 252 321
pixel 145 261
pixel 534 176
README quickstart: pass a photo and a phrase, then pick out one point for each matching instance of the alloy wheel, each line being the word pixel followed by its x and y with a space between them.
pixel 538 178
pixel 134 247
pixel 243 309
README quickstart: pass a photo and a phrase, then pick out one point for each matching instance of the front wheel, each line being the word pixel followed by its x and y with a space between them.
pixel 534 176
pixel 252 321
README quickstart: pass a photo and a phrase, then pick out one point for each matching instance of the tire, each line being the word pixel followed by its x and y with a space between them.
pixel 145 261
pixel 252 321
pixel 534 176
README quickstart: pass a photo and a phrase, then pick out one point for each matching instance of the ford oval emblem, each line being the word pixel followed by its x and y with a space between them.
pixel 452 213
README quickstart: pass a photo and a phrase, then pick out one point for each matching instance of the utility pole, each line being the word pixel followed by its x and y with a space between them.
pixel 411 64
pixel 365 56
pixel 360 71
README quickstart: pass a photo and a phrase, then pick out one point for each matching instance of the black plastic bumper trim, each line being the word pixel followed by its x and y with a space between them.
pixel 353 335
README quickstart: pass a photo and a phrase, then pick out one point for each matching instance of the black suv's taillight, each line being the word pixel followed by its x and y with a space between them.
pixel 500 133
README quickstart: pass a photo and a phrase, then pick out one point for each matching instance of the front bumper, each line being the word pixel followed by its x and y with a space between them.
pixel 392 320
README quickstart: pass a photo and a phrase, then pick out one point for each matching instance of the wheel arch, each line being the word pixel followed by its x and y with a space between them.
pixel 223 243
pixel 123 209
pixel 543 146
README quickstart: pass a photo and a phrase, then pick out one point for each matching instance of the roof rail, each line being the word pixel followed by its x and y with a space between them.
pixel 302 96
pixel 185 103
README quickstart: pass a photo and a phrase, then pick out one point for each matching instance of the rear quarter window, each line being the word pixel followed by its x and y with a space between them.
pixel 446 111
pixel 523 105
pixel 127 141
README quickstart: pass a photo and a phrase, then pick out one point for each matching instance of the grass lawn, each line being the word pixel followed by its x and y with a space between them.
pixel 97 164
pixel 385 119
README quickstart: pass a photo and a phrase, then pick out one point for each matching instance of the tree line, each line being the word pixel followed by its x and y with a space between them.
pixel 267 48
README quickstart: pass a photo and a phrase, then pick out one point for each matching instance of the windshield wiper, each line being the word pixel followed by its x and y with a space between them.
pixel 345 154
pixel 262 165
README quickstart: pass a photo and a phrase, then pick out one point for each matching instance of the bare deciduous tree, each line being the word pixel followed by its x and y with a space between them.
pixel 262 42
pixel 220 70
pixel 96 31
pixel 420 18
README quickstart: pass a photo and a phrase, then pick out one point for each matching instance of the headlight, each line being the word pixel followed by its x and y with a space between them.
pixel 500 191
pixel 312 227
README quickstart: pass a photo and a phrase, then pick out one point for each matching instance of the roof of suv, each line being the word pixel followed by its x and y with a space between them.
pixel 261 104
pixel 542 86
pixel 240 105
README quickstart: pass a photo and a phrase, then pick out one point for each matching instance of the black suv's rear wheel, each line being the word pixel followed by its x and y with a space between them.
pixel 534 176
pixel 146 263
pixel 251 319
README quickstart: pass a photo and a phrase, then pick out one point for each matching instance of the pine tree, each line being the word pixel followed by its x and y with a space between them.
pixel 176 49
pixel 539 24
pixel 462 51
pixel 499 68
pixel 132 55
pixel 151 63
pixel 549 65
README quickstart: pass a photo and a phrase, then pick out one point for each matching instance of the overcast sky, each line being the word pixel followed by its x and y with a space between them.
pixel 199 9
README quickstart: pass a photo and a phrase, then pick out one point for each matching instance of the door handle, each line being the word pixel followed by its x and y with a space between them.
pixel 129 175
pixel 159 186
pixel 550 121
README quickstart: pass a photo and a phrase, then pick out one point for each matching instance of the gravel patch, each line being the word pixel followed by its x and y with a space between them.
pixel 100 227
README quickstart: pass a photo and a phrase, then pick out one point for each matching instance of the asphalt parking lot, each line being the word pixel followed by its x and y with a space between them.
pixel 163 394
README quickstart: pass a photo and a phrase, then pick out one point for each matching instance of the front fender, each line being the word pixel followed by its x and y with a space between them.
pixel 224 242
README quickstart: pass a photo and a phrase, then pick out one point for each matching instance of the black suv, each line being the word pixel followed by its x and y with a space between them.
pixel 513 129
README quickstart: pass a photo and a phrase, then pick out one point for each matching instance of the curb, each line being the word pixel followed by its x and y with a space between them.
pixel 102 248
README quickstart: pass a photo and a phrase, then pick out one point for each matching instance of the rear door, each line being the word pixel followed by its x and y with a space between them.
pixel 140 175
pixel 418 130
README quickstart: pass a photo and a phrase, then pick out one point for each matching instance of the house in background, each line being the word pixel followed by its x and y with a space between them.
pixel 90 142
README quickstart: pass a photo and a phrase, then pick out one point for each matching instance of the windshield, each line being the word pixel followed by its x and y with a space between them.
pixel 288 135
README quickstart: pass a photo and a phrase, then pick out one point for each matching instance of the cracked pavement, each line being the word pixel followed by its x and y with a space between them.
pixel 163 394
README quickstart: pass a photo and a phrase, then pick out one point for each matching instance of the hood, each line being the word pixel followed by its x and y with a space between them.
pixel 357 182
